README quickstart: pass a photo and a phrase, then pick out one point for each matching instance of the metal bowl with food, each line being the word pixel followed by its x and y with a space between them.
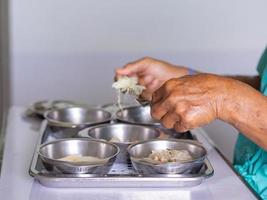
pixel 79 156
pixel 77 117
pixel 141 155
pixel 137 115
pixel 120 134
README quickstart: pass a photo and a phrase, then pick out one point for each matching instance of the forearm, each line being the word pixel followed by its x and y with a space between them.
pixel 247 111
pixel 253 81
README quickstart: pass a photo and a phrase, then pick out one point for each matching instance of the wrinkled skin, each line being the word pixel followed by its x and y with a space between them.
pixel 188 102
pixel 192 101
pixel 184 102
pixel 151 73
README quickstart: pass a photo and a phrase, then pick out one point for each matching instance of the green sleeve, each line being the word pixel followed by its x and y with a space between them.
pixel 250 161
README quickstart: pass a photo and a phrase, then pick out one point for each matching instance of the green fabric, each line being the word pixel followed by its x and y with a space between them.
pixel 250 160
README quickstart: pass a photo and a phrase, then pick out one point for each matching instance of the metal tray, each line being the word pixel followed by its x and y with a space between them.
pixel 121 175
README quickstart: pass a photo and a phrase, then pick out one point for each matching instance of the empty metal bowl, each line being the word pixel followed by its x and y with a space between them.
pixel 41 107
pixel 111 107
pixel 140 115
pixel 114 108
pixel 140 151
pixel 137 115
pixel 122 135
pixel 52 151
pixel 77 117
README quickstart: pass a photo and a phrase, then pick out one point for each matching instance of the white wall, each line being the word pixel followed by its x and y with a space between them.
pixel 65 49
pixel 60 48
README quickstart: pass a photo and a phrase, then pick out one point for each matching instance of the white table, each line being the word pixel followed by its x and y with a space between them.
pixel 16 183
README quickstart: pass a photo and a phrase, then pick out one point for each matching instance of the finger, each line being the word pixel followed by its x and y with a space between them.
pixel 169 119
pixel 154 85
pixel 158 95
pixel 159 109
pixel 146 80
pixel 199 116
pixel 132 68
pixel 117 75
pixel 191 118
pixel 125 71
pixel 150 88
pixel 162 90
pixel 179 126
pixel 146 95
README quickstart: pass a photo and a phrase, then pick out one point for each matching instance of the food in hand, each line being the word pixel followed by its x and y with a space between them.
pixel 127 85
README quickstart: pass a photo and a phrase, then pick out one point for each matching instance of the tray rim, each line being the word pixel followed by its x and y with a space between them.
pixel 113 177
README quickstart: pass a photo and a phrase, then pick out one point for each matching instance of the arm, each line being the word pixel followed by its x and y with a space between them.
pixel 152 73
pixel 247 111
pixel 192 101
pixel 253 81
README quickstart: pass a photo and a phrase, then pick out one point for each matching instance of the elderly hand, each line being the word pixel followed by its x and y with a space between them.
pixel 151 73
pixel 191 101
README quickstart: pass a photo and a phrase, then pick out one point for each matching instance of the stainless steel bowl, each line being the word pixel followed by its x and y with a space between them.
pixel 41 107
pixel 125 134
pixel 52 151
pixel 139 151
pixel 137 115
pixel 77 116
pixel 111 108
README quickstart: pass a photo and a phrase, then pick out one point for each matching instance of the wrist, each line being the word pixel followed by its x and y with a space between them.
pixel 237 102
pixel 227 99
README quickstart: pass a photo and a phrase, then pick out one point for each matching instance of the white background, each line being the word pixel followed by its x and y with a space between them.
pixel 68 49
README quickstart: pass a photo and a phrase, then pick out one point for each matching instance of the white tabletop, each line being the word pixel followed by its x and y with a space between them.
pixel 16 183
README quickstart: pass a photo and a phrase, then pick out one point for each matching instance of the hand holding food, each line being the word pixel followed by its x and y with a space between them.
pixel 188 102
pixel 151 73
pixel 192 101
pixel 127 85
